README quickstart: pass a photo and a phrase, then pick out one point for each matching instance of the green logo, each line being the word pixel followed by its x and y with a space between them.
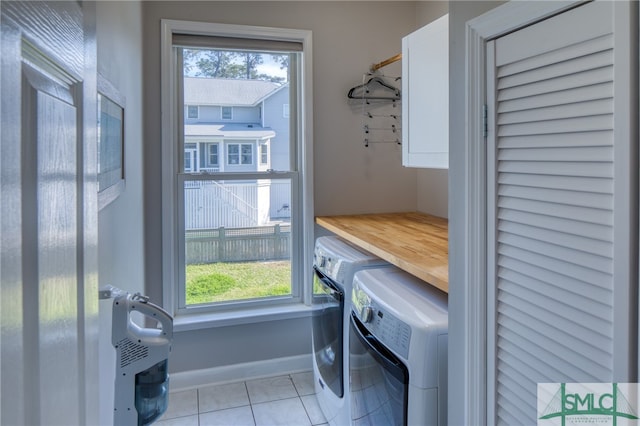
pixel 588 403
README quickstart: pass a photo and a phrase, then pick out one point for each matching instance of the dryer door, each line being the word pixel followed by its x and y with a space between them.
pixel 328 301
pixel 379 380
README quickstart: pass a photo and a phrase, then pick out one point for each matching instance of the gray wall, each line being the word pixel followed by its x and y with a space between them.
pixel 120 224
pixel 459 13
pixel 359 34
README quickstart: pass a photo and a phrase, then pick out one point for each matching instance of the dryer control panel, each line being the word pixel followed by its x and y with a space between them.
pixel 388 329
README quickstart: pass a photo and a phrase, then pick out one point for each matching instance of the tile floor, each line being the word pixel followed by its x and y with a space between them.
pixel 274 401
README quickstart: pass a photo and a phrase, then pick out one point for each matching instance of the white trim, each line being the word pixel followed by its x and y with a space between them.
pixel 499 21
pixel 169 154
pixel 491 228
pixel 625 177
pixel 191 379
pixel 231 317
pixel 238 31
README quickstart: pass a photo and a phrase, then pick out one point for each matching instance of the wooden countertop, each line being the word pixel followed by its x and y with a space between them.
pixel 415 242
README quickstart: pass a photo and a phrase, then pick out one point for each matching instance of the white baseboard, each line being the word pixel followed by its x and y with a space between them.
pixel 185 380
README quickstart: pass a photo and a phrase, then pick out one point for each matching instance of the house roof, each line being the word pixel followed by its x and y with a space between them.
pixel 231 131
pixel 227 92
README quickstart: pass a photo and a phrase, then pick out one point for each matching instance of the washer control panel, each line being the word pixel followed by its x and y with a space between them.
pixel 388 329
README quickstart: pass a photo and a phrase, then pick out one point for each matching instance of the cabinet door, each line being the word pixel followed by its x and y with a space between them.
pixel 425 94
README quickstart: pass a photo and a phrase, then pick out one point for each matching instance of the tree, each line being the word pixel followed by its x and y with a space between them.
pixel 210 63
pixel 229 64
pixel 251 62
pixel 283 60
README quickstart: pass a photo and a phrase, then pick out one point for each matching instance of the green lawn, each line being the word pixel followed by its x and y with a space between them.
pixel 218 282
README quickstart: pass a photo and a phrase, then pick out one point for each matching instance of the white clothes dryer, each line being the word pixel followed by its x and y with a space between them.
pixel 398 350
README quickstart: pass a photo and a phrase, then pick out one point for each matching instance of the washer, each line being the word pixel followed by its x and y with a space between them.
pixel 398 350
pixel 335 262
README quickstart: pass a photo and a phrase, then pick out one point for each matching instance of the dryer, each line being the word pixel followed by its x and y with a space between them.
pixel 398 350
pixel 335 262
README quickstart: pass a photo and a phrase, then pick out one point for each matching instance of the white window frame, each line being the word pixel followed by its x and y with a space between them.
pixel 226 108
pixel 172 160
pixel 197 111
pixel 193 151
pixel 210 146
pixel 240 153
pixel 263 153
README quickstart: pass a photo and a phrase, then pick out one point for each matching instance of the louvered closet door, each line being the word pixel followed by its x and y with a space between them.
pixel 559 238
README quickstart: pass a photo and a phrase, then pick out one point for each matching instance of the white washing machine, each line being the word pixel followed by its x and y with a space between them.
pixel 397 350
pixel 335 261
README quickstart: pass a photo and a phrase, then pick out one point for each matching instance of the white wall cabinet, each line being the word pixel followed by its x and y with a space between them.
pixel 425 96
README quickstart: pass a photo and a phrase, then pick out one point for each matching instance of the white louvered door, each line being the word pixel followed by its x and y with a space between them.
pixel 562 172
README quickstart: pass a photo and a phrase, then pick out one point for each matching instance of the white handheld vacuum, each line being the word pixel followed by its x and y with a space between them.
pixel 142 379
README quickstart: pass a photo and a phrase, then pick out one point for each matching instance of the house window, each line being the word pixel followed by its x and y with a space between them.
pixel 226 112
pixel 190 157
pixel 238 154
pixel 212 155
pixel 232 248
pixel 246 155
pixel 264 153
pixel 193 111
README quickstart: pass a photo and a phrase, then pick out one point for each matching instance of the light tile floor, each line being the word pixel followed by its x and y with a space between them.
pixel 274 401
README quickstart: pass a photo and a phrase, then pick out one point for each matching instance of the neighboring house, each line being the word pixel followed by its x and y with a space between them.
pixel 235 126
pixel 228 124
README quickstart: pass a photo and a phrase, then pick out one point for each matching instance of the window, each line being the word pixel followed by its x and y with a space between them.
pixel 228 247
pixel 285 110
pixel 239 154
pixel 246 156
pixel 190 157
pixel 212 155
pixel 193 111
pixel 264 154
pixel 226 112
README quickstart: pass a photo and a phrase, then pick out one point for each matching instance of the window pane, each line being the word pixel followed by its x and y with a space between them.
pixel 234 154
pixel 239 97
pixel 237 239
pixel 247 154
pixel 213 155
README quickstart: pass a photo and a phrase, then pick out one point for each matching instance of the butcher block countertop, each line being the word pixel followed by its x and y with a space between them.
pixel 415 242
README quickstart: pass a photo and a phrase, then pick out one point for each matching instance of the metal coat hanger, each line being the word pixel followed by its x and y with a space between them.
pixel 361 91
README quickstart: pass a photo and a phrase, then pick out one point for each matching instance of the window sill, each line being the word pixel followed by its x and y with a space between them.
pixel 188 322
